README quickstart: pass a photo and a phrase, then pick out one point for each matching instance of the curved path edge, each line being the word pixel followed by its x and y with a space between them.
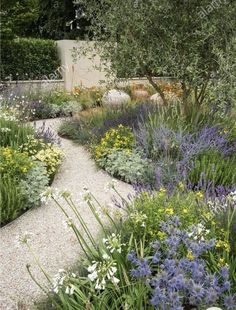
pixel 55 245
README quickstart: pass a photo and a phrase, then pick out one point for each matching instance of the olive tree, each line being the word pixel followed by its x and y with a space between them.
pixel 182 39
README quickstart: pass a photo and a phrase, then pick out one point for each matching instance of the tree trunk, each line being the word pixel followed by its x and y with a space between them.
pixel 186 93
pixel 157 88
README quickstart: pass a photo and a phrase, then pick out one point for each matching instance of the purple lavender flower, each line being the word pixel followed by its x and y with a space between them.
pixel 47 134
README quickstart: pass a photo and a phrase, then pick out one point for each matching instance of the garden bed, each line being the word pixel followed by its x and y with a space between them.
pixel 150 145
pixel 29 161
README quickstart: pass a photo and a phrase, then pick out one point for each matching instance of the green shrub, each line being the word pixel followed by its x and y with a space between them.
pixel 74 130
pixel 28 58
pixel 212 166
pixel 34 183
pixel 128 166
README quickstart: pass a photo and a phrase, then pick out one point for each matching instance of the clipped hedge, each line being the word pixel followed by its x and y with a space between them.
pixel 28 58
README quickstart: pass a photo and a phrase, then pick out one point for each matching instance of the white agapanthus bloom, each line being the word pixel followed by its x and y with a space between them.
pixel 102 272
pixel 63 281
pixel 111 185
pixel 24 238
pixel 113 243
pixel 198 232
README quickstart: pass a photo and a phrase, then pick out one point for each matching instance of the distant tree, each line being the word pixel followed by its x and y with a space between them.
pixel 50 19
pixel 57 20
pixel 18 18
pixel 183 39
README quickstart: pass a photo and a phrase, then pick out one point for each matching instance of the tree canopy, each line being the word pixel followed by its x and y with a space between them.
pixel 183 39
pixel 49 19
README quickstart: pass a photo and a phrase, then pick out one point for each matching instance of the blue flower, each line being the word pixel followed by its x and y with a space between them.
pixel 224 272
pixel 211 296
pixel 142 270
pixel 197 293
pixel 230 302
pixel 132 257
pixel 156 258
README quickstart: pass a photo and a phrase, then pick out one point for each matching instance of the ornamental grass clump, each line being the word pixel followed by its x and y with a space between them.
pixel 13 133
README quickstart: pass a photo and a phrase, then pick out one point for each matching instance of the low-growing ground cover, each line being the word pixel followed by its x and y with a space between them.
pixel 29 159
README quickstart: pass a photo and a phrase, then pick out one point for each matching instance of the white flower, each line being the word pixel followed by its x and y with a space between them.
pixel 92 276
pixel 111 185
pixel 63 280
pixel 92 267
pixel 102 271
pixel 115 280
pixel 105 256
pixel 113 243
pixel 24 238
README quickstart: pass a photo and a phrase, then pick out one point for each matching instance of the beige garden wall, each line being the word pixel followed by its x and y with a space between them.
pixel 82 71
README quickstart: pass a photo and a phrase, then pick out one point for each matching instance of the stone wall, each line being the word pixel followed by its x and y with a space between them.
pixel 32 86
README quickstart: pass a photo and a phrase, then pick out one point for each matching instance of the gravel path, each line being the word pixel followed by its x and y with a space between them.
pixel 54 244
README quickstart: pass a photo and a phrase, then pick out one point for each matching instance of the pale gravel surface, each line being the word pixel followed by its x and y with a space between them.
pixel 54 244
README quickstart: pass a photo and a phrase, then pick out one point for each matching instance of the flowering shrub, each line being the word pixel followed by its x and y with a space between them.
pixel 14 162
pixel 118 139
pixel 177 275
pixel 51 156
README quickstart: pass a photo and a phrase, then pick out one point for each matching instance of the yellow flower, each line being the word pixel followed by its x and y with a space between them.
pixel 181 186
pixel 221 262
pixel 170 211
pixel 161 235
pixel 199 195
pixel 223 244
pixel 190 255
